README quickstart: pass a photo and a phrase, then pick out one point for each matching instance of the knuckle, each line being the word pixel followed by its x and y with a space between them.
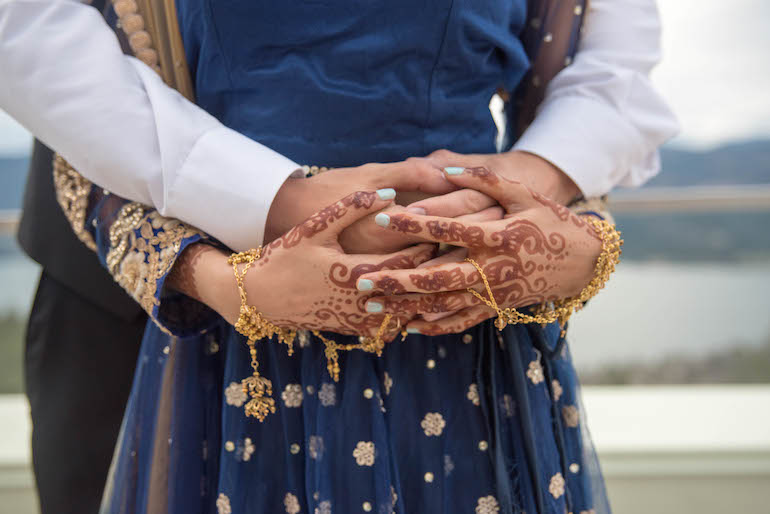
pixel 442 153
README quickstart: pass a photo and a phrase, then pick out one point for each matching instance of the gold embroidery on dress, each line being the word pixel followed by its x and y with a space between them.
pixel 433 424
pixel 487 505
pixel 571 415
pixel 364 453
pixel 292 395
pixel 291 503
pixel 138 261
pixel 473 394
pixel 72 191
pixel 556 487
pixel 223 504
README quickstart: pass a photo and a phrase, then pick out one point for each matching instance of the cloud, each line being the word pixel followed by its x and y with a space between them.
pixel 715 71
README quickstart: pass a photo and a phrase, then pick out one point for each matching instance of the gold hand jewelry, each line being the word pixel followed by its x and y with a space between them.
pixel 254 326
pixel 561 310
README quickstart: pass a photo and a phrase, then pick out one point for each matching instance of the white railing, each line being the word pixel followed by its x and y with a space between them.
pixel 674 199
pixel 672 449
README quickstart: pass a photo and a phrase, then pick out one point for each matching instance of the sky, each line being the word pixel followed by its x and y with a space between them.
pixel 715 73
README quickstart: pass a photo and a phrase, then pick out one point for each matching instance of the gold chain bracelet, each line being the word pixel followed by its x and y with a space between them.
pixel 254 327
pixel 561 310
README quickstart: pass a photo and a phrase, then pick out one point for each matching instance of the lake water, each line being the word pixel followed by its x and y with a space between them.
pixel 647 310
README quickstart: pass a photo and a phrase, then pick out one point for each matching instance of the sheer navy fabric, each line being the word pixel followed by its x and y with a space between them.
pixel 482 421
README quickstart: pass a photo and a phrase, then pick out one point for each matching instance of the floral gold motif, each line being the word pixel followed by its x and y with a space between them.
pixel 487 505
pixel 291 503
pixel 364 453
pixel 292 395
pixel 473 394
pixel 556 487
pixel 571 415
pixel 433 424
pixel 235 395
pixel 223 504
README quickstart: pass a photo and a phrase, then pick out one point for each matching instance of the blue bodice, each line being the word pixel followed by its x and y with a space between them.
pixel 346 82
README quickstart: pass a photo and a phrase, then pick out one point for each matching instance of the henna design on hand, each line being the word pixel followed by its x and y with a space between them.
pixel 454 232
pixel 321 220
pixel 441 280
pixel 338 273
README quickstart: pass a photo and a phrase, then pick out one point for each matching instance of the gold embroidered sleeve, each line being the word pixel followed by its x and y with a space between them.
pixel 134 242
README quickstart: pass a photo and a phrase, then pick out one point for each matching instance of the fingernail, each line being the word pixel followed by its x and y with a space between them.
pixel 386 194
pixel 453 170
pixel 365 285
pixel 382 219
pixel 373 307
pixel 412 330
pixel 416 210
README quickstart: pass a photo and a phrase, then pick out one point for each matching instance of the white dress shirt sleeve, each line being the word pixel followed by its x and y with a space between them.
pixel 601 121
pixel 63 76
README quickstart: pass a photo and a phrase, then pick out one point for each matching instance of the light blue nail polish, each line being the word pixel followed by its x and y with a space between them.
pixel 386 194
pixel 365 285
pixel 453 170
pixel 373 307
pixel 382 219
pixel 412 330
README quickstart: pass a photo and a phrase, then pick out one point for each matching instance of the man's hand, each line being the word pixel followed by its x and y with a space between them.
pixel 528 169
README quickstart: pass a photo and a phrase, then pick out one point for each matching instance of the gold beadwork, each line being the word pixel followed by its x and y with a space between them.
pixel 368 344
pixel 254 326
pixel 561 310
pixel 72 190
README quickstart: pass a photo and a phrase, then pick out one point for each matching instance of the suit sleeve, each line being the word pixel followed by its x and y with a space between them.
pixel 602 121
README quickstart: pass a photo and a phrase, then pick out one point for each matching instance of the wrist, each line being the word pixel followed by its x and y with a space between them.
pixel 539 175
pixel 587 252
pixel 218 287
pixel 283 209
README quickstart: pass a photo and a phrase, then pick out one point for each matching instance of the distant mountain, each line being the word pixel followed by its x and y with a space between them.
pixel 737 163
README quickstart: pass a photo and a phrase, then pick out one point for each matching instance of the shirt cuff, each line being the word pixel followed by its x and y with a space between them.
pixel 233 190
pixel 587 140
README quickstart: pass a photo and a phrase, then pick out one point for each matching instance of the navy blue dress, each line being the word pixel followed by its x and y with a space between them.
pixel 478 422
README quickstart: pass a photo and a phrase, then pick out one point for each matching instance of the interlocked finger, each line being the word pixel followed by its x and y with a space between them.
pixel 346 272
pixel 456 276
pixel 415 304
pixel 469 234
pixel 454 324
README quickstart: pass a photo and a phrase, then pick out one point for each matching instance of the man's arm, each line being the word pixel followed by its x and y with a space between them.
pixel 601 121
pixel 65 78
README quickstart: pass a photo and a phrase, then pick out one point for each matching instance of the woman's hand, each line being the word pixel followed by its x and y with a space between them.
pixel 304 279
pixel 538 252
pixel 300 198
